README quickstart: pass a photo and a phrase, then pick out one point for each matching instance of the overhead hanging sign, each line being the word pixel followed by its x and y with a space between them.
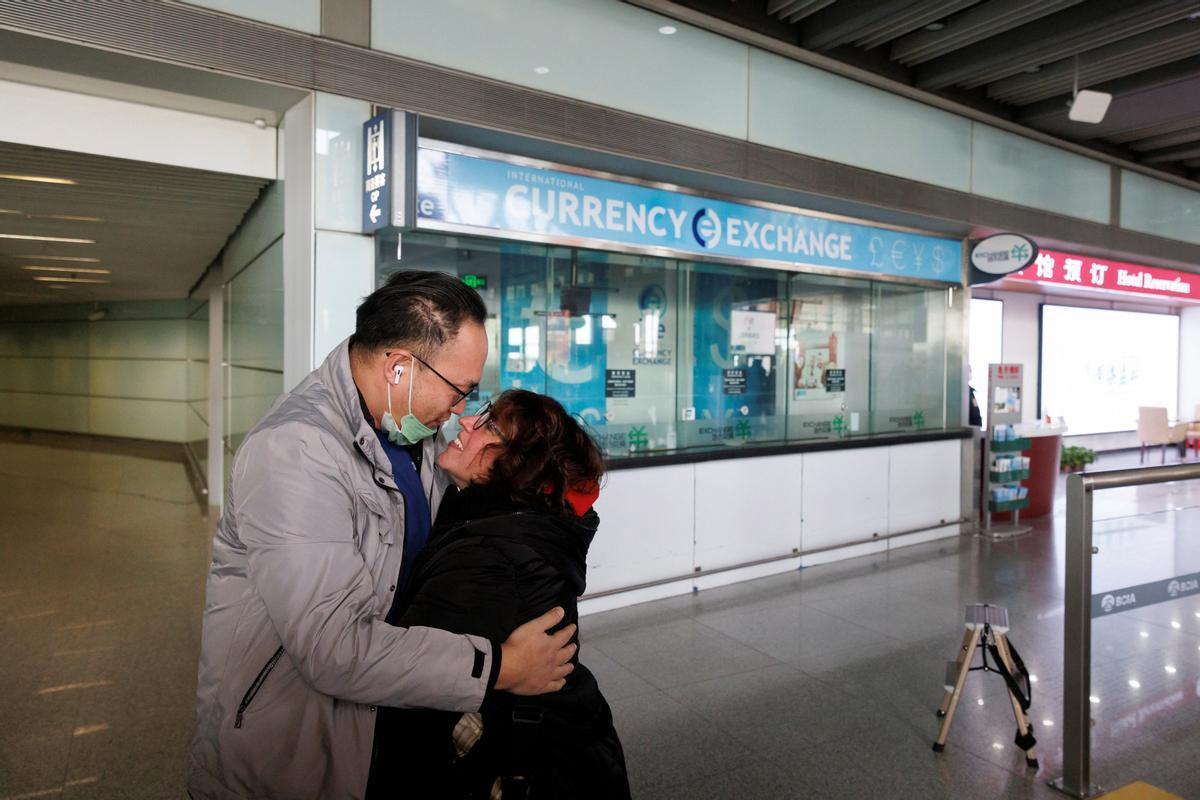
pixel 491 195
pixel 1086 272
pixel 998 255
pixel 389 156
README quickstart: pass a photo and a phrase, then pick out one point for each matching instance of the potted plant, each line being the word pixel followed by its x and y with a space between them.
pixel 1074 459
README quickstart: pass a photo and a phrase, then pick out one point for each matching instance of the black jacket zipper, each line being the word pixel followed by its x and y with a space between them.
pixel 259 679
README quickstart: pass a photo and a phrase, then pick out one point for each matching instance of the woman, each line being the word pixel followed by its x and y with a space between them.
pixel 509 545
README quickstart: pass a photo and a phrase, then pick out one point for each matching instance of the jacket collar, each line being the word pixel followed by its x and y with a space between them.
pixel 335 373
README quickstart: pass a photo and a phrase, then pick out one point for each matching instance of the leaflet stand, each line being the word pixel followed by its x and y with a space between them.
pixel 1004 409
pixel 987 630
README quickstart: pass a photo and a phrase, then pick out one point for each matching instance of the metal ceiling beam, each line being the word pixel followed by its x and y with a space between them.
pixel 1180 153
pixel 871 23
pixel 973 25
pixel 1184 136
pixel 1170 119
pixel 1078 29
pixel 786 9
pixel 808 8
pixel 1129 56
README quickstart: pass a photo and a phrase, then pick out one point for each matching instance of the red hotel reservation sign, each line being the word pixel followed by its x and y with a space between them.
pixel 1086 272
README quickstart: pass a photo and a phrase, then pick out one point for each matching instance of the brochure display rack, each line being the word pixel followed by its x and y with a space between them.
pixel 1006 467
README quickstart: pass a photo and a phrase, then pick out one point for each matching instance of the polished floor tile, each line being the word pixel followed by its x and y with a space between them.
pixel 818 683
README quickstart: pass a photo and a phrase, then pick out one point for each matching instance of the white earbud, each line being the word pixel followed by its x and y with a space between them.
pixel 399 372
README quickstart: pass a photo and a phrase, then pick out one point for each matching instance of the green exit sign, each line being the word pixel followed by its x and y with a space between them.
pixel 476 282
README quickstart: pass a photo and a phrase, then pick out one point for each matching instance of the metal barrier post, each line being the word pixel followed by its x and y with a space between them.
pixel 1077 617
pixel 1077 642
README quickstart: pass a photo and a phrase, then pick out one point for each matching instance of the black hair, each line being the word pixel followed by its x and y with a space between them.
pixel 415 310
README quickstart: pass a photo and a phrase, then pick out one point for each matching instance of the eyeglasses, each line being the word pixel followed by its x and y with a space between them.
pixel 483 419
pixel 460 393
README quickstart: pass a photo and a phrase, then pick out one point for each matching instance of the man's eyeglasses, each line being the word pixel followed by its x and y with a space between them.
pixel 483 419
pixel 460 393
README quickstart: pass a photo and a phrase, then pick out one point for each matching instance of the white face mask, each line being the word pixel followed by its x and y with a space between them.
pixel 410 430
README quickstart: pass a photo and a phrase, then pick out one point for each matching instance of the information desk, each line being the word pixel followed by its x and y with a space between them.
pixel 1044 455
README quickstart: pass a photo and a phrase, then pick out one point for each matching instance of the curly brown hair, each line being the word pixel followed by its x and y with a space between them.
pixel 545 454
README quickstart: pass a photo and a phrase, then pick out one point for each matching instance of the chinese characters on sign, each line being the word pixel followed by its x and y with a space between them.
pixel 376 192
pixel 1066 269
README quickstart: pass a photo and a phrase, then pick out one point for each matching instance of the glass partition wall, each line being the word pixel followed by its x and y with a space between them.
pixel 662 355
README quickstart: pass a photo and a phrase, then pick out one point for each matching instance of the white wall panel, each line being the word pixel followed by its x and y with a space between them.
pixel 647 526
pixel 55 412
pixel 747 509
pixel 602 51
pixel 338 153
pixel 1159 208
pixel 1014 169
pixel 260 227
pixel 845 496
pixel 41 117
pixel 143 379
pixel 1022 325
pixel 1189 361
pixel 138 338
pixel 159 420
pixel 923 485
pixel 44 339
pixel 45 375
pixel 345 275
pixel 805 110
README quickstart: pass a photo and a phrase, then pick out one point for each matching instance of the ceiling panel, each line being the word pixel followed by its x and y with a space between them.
pixel 156 228
pixel 1019 60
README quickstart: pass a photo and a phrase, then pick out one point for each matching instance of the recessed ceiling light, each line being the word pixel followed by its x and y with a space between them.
pixel 668 30
pixel 1135 684
pixel 48 279
pixel 936 26
pixel 1093 698
pixel 69 270
pixel 8 176
pixel 541 70
pixel 1170 669
pixel 74 259
pixel 46 238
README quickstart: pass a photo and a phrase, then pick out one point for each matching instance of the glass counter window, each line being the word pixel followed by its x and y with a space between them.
pixel 659 355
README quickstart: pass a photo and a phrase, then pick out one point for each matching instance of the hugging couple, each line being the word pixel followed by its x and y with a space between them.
pixel 393 615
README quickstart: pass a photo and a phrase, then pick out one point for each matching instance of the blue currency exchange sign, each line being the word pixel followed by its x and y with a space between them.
pixel 456 191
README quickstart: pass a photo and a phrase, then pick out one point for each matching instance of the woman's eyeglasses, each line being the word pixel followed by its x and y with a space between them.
pixel 483 419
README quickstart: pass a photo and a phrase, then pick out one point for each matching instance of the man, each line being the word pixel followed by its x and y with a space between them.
pixel 331 496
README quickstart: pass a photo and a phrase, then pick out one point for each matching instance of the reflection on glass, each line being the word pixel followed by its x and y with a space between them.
pixel 658 355
pixel 733 393
pixel 908 359
pixel 830 346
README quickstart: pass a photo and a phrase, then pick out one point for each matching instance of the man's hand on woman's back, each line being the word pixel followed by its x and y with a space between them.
pixel 534 661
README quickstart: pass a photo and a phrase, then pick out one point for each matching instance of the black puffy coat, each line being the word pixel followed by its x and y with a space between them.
pixel 488 568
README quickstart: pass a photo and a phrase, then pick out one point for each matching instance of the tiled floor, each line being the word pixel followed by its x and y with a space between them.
pixel 813 684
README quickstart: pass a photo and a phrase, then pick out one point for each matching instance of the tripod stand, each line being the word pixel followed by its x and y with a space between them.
pixel 987 630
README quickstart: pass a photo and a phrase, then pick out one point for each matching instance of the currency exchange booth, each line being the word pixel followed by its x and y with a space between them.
pixel 684 327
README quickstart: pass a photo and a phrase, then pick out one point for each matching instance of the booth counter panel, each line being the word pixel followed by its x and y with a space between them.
pixel 666 523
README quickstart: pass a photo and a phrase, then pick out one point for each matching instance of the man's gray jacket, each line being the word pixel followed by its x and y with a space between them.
pixel 295 654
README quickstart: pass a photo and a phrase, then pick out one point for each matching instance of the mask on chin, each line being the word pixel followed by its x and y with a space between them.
pixel 410 430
